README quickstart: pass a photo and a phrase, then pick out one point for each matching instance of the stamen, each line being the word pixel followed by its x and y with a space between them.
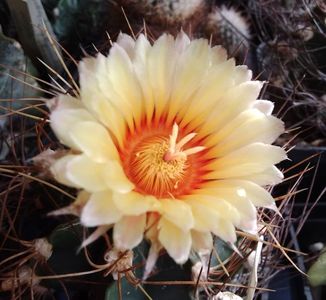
pixel 159 164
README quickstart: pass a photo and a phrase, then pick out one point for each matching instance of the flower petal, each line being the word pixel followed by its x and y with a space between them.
pixel 236 196
pixel 94 140
pixel 98 232
pixel 115 177
pixel 256 194
pixel 235 189
pixel 128 231
pixel 209 219
pixel 205 218
pixel 269 176
pixel 100 210
pixel 177 212
pixel 59 170
pixel 123 81
pixel 87 174
pixel 74 208
pixel 151 259
pixel 223 208
pixel 67 111
pixel 250 126
pixel 93 176
pixel 135 204
pixel 142 49
pixel 218 55
pixel 264 106
pixel 177 242
pixel 226 231
pixel 160 67
pixel 233 102
pixel 242 74
pixel 182 41
pixel 250 159
pixel 218 79
pixel 93 79
pixel 126 42
pixel 201 240
pixel 188 77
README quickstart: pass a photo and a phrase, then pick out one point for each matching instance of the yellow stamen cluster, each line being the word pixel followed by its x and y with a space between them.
pixel 154 174
pixel 159 164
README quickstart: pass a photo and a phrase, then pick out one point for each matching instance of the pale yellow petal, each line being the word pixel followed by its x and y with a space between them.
pixel 86 173
pixel 233 102
pixel 182 41
pixel 74 208
pixel 109 116
pixel 94 140
pixel 142 49
pixel 251 159
pixel 237 197
pixel 216 82
pixel 116 178
pixel 188 76
pixel 226 231
pixel 177 242
pixel 100 209
pixel 126 42
pixel 64 102
pixel 66 112
pixel 234 193
pixel 248 127
pixel 178 212
pixel 98 232
pixel 135 204
pixel 264 106
pixel 236 189
pixel 220 206
pixel 59 170
pixel 205 218
pixel 128 231
pixel 123 81
pixel 269 176
pixel 93 77
pixel 218 55
pixel 242 74
pixel 160 67
pixel 151 231
pixel 256 194
pixel 151 259
pixel 209 217
pixel 201 240
pixel 93 176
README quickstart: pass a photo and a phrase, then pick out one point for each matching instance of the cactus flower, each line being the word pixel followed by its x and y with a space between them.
pixel 168 143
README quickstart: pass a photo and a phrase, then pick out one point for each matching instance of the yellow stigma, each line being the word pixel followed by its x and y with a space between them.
pixel 175 149
pixel 158 165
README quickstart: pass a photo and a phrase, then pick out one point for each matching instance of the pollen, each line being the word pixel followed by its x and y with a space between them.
pixel 158 165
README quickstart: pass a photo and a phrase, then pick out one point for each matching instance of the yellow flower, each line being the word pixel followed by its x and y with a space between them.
pixel 168 142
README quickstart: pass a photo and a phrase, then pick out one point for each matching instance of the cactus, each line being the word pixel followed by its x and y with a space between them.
pixel 166 12
pixel 229 28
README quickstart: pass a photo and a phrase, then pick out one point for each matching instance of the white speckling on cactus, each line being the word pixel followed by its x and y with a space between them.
pixel 229 28
pixel 169 11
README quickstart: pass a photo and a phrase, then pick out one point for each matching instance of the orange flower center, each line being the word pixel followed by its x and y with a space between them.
pixel 162 164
